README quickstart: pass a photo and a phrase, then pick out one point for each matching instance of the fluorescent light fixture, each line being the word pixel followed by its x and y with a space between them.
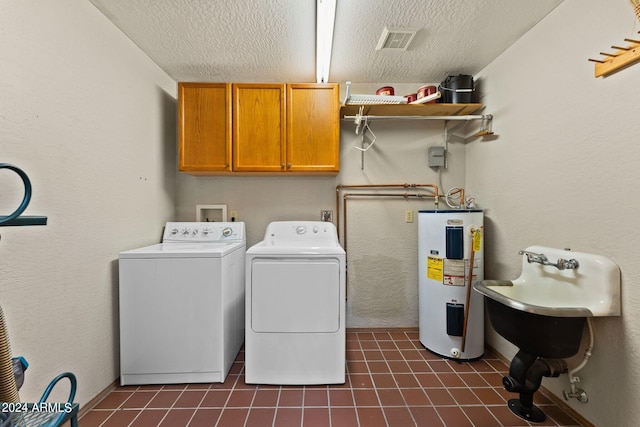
pixel 325 19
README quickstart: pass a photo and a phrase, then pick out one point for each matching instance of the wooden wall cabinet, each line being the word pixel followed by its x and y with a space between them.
pixel 204 127
pixel 267 128
pixel 259 135
pixel 313 127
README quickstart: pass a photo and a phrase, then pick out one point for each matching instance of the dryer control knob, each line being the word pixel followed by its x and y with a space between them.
pixel 301 229
pixel 226 232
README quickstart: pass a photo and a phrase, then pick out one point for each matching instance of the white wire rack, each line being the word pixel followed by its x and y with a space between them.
pixel 352 99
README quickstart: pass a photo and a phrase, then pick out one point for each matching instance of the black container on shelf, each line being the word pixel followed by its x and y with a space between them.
pixel 457 89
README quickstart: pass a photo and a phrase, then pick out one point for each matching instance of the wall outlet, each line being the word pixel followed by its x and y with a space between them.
pixel 233 216
pixel 408 215
pixel 326 216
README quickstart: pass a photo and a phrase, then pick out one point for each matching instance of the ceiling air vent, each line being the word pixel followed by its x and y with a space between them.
pixel 396 38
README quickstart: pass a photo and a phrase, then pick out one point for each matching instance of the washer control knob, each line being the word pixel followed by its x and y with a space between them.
pixel 301 229
pixel 206 231
pixel 315 229
pixel 185 231
pixel 227 231
pixel 174 231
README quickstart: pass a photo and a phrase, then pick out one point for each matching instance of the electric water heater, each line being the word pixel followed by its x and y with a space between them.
pixel 451 314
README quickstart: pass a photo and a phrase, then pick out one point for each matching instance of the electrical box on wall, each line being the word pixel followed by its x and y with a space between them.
pixel 436 156
pixel 211 213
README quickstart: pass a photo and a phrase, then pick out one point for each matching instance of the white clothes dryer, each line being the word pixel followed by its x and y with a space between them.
pixel 182 305
pixel 295 306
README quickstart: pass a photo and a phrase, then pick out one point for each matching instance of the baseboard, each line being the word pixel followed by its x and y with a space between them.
pixel 93 402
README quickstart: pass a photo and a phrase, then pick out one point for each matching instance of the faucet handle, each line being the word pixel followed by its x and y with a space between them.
pixel 534 257
pixel 530 255
pixel 570 264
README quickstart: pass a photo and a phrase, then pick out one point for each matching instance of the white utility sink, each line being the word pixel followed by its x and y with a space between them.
pixel 590 289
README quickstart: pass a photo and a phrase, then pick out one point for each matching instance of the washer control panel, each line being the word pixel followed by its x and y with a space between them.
pixel 203 232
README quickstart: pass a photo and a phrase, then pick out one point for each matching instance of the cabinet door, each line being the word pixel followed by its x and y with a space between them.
pixel 313 127
pixel 258 127
pixel 204 127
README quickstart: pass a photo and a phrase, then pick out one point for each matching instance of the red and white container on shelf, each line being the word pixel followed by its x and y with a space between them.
pixel 427 90
pixel 385 91
pixel 411 97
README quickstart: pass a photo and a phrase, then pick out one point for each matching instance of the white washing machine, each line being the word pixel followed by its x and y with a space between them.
pixel 295 306
pixel 182 305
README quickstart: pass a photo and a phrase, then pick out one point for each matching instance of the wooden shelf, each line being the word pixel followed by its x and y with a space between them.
pixel 411 109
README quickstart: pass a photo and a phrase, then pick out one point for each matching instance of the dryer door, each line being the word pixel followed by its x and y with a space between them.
pixel 295 295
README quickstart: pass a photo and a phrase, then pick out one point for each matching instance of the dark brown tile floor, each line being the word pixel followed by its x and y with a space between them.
pixel 391 381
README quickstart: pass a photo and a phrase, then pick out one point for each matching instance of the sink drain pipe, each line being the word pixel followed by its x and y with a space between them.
pixel 525 377
pixel 574 390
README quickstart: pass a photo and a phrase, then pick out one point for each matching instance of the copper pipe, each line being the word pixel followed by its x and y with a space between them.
pixel 381 195
pixel 436 196
pixel 373 186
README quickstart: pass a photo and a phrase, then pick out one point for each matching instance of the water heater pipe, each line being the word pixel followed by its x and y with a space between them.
pixel 453 191
pixel 345 196
pixel 404 186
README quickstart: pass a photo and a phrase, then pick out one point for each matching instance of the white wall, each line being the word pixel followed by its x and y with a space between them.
pixel 92 122
pixel 563 172
pixel 382 248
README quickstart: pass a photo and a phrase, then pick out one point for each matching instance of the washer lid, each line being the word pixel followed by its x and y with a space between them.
pixel 183 250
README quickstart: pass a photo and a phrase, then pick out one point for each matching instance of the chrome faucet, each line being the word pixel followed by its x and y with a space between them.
pixel 534 257
pixel 561 264
pixel 568 264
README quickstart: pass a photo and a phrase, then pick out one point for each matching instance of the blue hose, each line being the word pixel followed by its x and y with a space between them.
pixel 27 192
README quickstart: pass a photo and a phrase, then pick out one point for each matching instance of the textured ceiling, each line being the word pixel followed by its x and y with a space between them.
pixel 274 40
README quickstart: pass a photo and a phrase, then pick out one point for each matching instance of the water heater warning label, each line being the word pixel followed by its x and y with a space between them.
pixel 454 272
pixel 435 268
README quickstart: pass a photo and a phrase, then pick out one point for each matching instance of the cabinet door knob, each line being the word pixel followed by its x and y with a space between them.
pixel 282 165
pixel 226 165
pixel 288 165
